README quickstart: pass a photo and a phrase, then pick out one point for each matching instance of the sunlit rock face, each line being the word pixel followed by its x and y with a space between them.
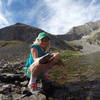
pixel 76 33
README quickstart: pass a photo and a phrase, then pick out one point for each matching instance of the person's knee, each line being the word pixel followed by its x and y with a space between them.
pixel 34 65
pixel 57 56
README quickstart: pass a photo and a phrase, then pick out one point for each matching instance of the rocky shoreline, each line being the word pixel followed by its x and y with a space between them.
pixel 13 86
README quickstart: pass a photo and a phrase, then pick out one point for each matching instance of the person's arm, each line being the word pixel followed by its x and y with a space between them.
pixel 34 53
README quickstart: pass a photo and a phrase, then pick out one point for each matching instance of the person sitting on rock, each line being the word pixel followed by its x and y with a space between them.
pixel 37 63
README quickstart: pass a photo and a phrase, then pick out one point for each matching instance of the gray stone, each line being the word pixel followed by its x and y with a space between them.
pixel 35 97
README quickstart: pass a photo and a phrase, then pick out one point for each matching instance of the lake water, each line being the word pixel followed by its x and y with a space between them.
pixel 83 68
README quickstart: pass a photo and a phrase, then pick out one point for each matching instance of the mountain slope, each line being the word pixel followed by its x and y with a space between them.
pixel 76 33
pixel 28 34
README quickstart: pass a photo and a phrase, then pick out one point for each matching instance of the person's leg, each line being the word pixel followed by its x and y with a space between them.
pixel 54 62
pixel 32 83
pixel 45 75
pixel 37 68
pixel 32 79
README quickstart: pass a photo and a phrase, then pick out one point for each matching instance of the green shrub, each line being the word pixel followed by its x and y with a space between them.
pixel 68 54
pixel 97 36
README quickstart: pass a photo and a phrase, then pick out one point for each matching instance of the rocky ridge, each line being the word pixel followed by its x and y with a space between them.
pixel 28 34
pixel 76 33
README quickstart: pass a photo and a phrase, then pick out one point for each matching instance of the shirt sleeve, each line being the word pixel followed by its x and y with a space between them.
pixel 34 46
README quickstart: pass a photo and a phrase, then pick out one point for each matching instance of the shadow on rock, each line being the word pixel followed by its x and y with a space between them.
pixel 16 86
pixel 87 91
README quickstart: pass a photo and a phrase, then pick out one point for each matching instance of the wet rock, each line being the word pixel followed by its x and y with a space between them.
pixel 8 67
pixel 6 89
pixel 86 91
pixel 12 78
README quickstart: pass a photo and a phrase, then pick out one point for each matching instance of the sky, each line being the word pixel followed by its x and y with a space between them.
pixel 53 16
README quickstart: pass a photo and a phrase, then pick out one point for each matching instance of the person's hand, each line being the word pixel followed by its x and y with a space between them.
pixel 57 60
pixel 56 56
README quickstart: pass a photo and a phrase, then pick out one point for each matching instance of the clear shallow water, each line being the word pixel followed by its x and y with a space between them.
pixel 84 73
pixel 84 68
pixel 88 65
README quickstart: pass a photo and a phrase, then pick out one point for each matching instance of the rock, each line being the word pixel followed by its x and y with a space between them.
pixel 0 96
pixel 12 78
pixel 7 97
pixel 6 89
pixel 35 97
pixel 76 33
pixel 24 83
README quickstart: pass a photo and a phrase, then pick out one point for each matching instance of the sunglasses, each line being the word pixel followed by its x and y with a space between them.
pixel 45 40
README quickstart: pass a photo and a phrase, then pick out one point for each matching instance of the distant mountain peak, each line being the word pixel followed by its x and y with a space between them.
pixel 18 23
